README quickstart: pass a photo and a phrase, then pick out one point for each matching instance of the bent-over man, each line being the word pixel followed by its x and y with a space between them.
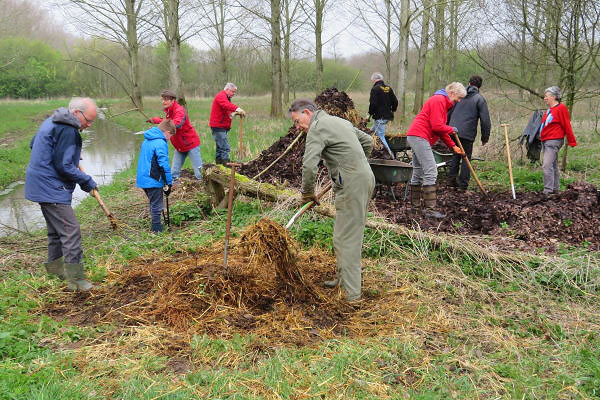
pixel 50 179
pixel 344 150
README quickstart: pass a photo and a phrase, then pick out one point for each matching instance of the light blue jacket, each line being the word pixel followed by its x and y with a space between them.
pixel 153 164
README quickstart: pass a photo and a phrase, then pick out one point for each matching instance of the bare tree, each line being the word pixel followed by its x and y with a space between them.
pixel 289 24
pixel 404 31
pixel 119 21
pixel 315 11
pixel 268 11
pixel 422 57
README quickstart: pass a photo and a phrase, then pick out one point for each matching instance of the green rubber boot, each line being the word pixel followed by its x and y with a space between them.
pixel 76 278
pixel 56 268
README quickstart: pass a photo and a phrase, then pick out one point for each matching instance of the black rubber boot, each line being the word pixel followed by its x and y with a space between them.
pixel 430 201
pixel 76 278
pixel 218 161
pixel 156 228
pixel 332 283
pixel 56 268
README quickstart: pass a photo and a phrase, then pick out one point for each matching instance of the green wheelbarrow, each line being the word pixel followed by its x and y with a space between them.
pixel 390 172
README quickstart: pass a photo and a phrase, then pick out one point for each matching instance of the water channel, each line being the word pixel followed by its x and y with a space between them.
pixel 107 149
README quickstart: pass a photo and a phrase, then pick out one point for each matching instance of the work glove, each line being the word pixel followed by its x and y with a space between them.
pixel 455 130
pixel 308 197
pixel 167 191
pixel 239 112
pixel 458 151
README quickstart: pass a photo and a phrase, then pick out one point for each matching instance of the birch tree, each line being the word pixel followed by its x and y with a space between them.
pixel 422 57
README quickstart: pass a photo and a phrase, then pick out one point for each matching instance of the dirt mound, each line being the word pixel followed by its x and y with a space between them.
pixel 537 219
pixel 288 170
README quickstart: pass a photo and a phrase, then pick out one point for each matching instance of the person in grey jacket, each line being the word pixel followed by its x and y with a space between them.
pixel 464 117
pixel 50 179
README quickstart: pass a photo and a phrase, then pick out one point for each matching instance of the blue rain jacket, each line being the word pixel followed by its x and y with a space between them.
pixel 153 164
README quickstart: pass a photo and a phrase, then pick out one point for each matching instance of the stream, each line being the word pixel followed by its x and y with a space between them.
pixel 107 149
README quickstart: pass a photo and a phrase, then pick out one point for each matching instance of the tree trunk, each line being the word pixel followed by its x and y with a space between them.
pixel 173 39
pixel 275 20
pixel 453 38
pixel 438 49
pixel 422 58
pixel 319 8
pixel 285 76
pixel 220 27
pixel 403 58
pixel 133 51
pixel 388 40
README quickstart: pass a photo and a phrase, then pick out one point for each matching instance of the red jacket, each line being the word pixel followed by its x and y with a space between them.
pixel 430 122
pixel 220 113
pixel 556 123
pixel 185 138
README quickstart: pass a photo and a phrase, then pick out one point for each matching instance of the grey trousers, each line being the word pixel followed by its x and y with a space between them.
pixel 550 164
pixel 424 167
pixel 64 234
pixel 155 198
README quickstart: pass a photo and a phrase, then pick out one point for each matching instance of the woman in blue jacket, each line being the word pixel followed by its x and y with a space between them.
pixel 153 172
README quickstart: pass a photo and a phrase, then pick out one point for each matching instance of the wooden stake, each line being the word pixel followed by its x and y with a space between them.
pixel 233 166
pixel 510 173
pixel 466 160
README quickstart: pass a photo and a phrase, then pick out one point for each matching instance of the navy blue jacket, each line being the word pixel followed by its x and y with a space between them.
pixel 53 168
pixel 153 164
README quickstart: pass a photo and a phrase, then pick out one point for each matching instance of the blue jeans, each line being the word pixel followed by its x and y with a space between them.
pixel 179 159
pixel 222 148
pixel 379 128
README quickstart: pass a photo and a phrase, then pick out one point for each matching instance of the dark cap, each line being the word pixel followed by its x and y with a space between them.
pixel 168 93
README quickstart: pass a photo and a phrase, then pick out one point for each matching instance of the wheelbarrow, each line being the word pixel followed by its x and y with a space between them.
pixel 390 172
pixel 399 144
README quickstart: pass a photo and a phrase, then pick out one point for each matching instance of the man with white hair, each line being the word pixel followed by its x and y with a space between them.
pixel 51 177
pixel 220 121
pixel 382 106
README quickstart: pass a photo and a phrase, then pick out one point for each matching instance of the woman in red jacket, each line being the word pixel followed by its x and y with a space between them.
pixel 185 140
pixel 556 124
pixel 427 127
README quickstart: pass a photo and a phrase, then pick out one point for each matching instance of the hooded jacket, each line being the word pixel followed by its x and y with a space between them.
pixel 53 169
pixel 153 164
pixel 430 122
pixel 382 101
pixel 185 138
pixel 465 113
pixel 220 112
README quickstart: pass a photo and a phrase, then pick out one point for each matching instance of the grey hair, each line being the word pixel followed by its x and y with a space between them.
pixel 81 104
pixel 230 86
pixel 457 88
pixel 554 91
pixel 377 76
pixel 303 104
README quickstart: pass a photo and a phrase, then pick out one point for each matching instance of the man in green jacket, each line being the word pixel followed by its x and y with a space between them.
pixel 344 149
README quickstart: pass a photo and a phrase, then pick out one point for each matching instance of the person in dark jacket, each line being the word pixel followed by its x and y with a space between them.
pixel 50 179
pixel 153 172
pixel 185 140
pixel 382 106
pixel 464 117
pixel 220 121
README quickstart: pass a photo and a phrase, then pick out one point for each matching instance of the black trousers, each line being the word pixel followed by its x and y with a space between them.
pixel 457 163
pixel 64 233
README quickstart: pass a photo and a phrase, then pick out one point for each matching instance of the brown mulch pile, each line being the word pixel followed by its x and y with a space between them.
pixel 539 220
pixel 269 288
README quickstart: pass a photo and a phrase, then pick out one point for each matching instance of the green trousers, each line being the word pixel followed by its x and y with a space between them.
pixel 351 202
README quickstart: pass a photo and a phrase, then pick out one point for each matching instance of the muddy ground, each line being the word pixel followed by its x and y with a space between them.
pixel 533 219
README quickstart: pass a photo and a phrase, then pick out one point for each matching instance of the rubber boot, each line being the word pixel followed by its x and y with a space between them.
pixel 415 197
pixel 430 201
pixel 218 160
pixel 76 278
pixel 56 268
pixel 451 181
pixel 332 283
pixel 157 228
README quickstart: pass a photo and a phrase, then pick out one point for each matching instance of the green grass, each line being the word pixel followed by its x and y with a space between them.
pixel 476 333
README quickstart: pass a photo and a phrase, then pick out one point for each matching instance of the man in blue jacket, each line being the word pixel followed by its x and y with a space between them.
pixel 50 179
pixel 153 172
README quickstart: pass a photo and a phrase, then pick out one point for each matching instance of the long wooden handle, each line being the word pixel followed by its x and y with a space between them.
pixel 241 146
pixel 308 205
pixel 510 172
pixel 96 194
pixel 466 160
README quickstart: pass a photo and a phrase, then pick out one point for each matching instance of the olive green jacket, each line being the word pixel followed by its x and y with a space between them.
pixel 343 148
